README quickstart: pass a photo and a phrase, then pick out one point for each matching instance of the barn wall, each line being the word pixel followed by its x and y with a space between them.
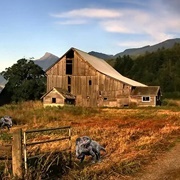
pixel 90 87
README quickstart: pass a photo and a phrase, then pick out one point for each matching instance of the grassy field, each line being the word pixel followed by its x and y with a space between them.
pixel 132 137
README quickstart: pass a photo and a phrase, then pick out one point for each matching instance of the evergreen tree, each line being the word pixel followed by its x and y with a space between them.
pixel 160 68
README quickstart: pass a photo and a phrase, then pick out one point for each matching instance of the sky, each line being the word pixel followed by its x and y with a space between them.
pixel 30 28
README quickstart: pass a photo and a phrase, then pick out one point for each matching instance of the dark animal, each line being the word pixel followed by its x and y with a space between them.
pixel 86 146
pixel 6 121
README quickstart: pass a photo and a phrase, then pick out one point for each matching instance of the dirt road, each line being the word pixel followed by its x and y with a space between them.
pixel 166 167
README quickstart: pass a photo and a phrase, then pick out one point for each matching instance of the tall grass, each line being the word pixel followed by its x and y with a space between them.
pixel 132 137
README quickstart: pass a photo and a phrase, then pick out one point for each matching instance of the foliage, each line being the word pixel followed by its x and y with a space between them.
pixel 5 137
pixel 160 68
pixel 26 81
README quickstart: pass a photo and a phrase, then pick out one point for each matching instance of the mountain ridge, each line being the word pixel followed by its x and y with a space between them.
pixel 48 59
pixel 138 51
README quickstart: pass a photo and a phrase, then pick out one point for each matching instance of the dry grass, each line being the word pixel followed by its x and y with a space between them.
pixel 132 137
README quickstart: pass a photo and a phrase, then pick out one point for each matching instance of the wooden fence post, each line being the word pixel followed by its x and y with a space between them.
pixel 17 154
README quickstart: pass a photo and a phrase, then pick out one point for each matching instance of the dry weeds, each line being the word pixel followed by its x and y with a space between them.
pixel 132 137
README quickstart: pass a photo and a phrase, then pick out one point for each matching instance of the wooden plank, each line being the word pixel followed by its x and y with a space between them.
pixel 47 141
pixel 17 154
pixel 47 129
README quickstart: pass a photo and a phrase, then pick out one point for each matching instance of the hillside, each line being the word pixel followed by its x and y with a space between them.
pixel 138 51
pixel 2 81
pixel 101 55
pixel 160 68
pixel 1 88
pixel 46 61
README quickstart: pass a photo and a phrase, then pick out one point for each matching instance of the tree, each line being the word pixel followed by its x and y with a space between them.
pixel 26 81
pixel 158 68
pixel 123 64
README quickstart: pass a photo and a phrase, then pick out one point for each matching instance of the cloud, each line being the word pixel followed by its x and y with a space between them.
pixel 89 13
pixel 130 22
pixel 154 21
pixel 159 25
pixel 72 22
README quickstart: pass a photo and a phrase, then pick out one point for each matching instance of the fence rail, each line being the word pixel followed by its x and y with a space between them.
pixel 17 151
pixel 25 143
pixel 47 129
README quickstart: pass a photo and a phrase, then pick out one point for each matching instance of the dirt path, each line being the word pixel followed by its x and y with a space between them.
pixel 166 167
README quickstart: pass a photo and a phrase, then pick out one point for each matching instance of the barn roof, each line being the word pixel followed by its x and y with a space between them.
pixel 103 67
pixel 150 90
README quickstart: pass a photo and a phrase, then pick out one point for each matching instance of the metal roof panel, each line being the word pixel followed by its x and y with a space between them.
pixel 103 67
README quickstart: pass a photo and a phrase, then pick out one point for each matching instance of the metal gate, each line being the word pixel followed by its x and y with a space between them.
pixel 26 144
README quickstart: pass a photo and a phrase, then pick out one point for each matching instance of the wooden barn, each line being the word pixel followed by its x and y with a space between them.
pixel 90 80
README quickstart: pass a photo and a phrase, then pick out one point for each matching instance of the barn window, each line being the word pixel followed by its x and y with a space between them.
pixel 70 54
pixel 53 100
pixel 69 80
pixel 145 99
pixel 68 66
pixel 69 88
pixel 90 82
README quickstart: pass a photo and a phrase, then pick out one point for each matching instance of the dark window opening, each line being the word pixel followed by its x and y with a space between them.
pixel 68 66
pixel 70 54
pixel 146 99
pixel 133 88
pixel 70 101
pixel 105 99
pixel 69 88
pixel 68 61
pixel 53 100
pixel 69 80
pixel 90 82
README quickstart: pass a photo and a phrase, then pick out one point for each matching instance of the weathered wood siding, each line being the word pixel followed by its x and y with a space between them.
pixel 138 100
pixel 47 100
pixel 91 88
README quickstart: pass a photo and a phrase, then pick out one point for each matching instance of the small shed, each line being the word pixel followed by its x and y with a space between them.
pixel 146 96
pixel 58 97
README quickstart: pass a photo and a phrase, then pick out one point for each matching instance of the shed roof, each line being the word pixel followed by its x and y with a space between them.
pixel 63 92
pixel 150 90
